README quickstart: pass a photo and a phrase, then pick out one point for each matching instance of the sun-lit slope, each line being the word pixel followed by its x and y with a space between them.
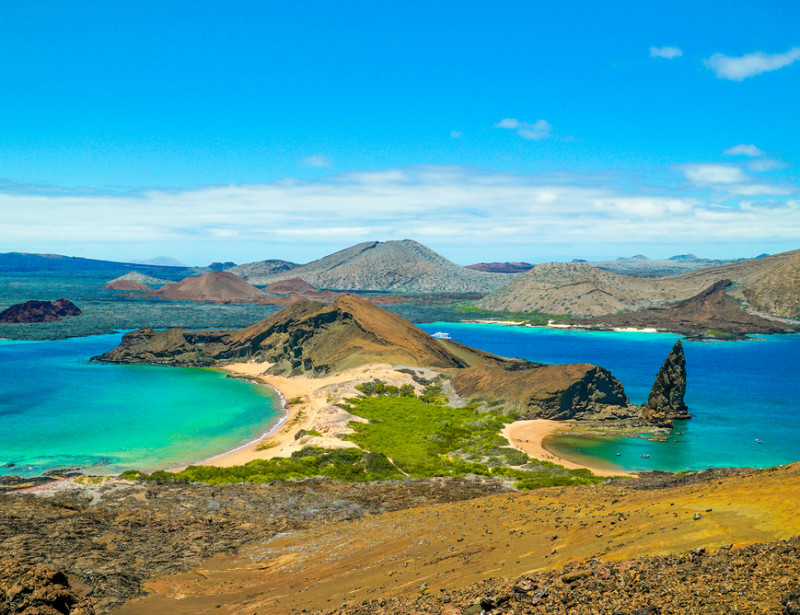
pixel 770 284
pixel 449 546
pixel 398 266
pixel 350 331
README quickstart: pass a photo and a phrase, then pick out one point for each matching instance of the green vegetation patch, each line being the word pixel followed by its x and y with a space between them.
pixel 405 436
pixel 348 464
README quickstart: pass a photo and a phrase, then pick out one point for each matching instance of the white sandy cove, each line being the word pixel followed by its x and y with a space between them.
pixel 310 405
pixel 529 436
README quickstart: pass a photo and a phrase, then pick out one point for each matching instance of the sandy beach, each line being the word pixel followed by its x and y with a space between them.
pixel 310 406
pixel 529 436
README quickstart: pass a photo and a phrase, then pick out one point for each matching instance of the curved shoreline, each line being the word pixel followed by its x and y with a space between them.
pixel 530 437
pixel 271 430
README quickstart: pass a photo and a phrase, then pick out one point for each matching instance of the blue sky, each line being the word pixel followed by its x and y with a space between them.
pixel 489 131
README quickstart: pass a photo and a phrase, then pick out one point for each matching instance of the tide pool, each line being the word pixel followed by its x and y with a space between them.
pixel 737 392
pixel 59 410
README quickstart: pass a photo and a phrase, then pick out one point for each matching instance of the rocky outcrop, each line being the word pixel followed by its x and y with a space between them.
pixel 665 403
pixel 39 311
pixel 559 392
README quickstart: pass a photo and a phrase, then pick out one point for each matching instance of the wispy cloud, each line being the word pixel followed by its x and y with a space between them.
pixel 318 161
pixel 743 150
pixel 456 134
pixel 750 65
pixel 708 174
pixel 537 131
pixel 668 53
pixel 442 206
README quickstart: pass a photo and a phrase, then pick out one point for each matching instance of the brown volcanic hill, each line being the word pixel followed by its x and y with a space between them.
pixel 305 337
pixel 711 310
pixel 127 285
pixel 396 266
pixel 556 392
pixel 513 267
pixel 768 283
pixel 292 286
pixel 39 311
pixel 214 286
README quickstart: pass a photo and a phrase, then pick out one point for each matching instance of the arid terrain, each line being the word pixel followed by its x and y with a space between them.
pixel 696 543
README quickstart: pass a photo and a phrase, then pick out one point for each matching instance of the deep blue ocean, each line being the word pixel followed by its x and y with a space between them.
pixel 59 410
pixel 737 392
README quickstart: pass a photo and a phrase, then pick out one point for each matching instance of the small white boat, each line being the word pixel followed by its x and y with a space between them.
pixel 757 440
pixel 441 335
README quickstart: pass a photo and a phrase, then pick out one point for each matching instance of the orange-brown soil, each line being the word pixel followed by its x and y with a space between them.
pixel 452 545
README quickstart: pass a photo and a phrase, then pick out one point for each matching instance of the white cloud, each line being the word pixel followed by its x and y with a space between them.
pixel 456 134
pixel 742 67
pixel 665 52
pixel 743 150
pixel 318 161
pixel 706 174
pixel 443 206
pixel 535 132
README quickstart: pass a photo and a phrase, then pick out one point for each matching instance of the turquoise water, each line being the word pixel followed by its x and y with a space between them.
pixel 737 392
pixel 58 410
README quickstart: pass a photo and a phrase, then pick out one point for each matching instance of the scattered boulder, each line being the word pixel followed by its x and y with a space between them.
pixel 39 311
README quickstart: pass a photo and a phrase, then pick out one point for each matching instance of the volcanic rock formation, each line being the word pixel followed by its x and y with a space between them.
pixel 665 403
pixel 39 311
pixel 396 266
pixel 305 337
pixel 557 392
pixel 220 286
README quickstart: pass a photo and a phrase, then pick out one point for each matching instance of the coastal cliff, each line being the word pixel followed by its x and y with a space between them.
pixel 557 392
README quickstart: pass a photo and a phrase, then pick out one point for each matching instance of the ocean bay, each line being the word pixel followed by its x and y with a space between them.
pixel 59 410
pixel 737 393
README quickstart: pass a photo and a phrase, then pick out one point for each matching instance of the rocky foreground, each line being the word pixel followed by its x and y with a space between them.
pixel 761 578
pixel 722 541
